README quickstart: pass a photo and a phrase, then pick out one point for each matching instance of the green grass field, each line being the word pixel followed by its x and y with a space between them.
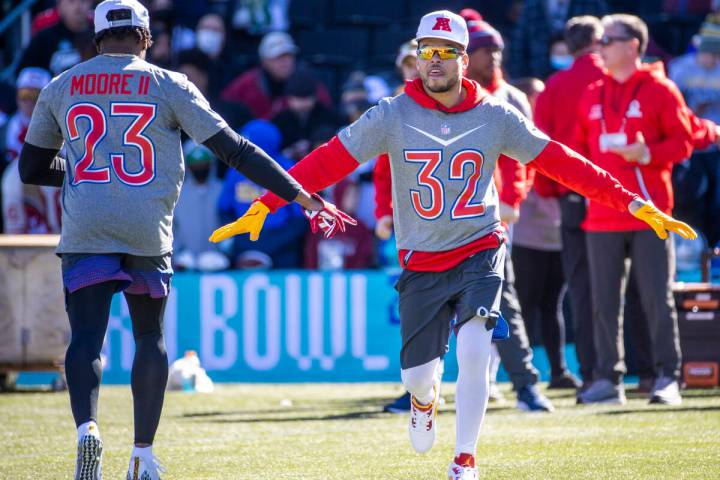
pixel 336 431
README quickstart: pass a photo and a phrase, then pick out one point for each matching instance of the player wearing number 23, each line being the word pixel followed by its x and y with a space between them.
pixel 444 135
pixel 119 119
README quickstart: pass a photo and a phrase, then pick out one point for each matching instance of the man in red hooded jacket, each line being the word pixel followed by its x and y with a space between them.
pixel 633 123
pixel 485 58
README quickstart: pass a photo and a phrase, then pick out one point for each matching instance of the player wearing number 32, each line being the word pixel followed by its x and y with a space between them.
pixel 119 119
pixel 444 136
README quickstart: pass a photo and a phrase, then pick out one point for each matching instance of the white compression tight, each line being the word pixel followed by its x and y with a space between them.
pixel 473 384
pixel 419 380
pixel 471 394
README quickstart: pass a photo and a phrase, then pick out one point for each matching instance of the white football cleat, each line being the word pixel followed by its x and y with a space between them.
pixel 144 467
pixel 89 458
pixel 422 426
pixel 463 468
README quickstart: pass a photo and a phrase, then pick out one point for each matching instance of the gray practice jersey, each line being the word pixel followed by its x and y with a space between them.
pixel 442 165
pixel 119 118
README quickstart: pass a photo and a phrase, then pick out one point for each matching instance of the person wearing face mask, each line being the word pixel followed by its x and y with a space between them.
pixel 211 39
pixel 539 22
pixel 199 69
pixel 196 212
pixel 555 114
pixel 560 58
pixel 280 243
pixel 263 88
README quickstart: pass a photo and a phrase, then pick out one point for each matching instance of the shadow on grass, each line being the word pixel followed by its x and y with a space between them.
pixel 356 403
pixel 300 414
pixel 303 418
pixel 30 390
pixel 667 409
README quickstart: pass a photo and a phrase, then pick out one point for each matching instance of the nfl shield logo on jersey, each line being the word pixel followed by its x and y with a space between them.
pixel 445 129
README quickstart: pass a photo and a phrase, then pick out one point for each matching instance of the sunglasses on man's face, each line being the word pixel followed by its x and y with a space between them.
pixel 606 40
pixel 445 53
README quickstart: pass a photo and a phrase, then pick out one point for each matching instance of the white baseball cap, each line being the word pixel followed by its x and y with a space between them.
pixel 445 25
pixel 275 44
pixel 137 15
pixel 33 77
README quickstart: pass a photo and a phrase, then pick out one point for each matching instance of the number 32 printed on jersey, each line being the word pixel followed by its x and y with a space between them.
pixel 430 161
pixel 142 114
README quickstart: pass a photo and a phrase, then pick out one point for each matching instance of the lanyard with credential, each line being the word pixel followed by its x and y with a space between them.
pixel 603 127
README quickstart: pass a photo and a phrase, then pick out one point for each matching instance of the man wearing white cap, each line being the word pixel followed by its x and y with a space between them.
pixel 262 89
pixel 444 136
pixel 119 119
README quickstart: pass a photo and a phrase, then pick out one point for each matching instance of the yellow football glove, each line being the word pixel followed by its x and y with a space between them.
pixel 251 222
pixel 663 223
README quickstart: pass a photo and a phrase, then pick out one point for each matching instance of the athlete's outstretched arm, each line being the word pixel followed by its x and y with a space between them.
pixel 314 173
pixel 41 166
pixel 250 160
pixel 324 166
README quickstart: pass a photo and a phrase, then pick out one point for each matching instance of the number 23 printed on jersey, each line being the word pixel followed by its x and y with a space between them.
pixel 142 113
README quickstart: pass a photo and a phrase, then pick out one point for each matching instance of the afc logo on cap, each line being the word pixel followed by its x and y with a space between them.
pixel 442 23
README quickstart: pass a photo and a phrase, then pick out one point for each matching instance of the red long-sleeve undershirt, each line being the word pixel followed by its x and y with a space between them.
pixel 332 162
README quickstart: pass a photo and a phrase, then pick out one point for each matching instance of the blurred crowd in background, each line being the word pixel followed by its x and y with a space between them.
pixel 288 74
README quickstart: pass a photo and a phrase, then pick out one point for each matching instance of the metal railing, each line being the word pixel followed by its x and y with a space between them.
pixel 18 19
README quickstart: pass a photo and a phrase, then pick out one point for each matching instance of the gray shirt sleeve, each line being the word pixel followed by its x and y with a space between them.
pixel 44 130
pixel 366 138
pixel 522 139
pixel 191 110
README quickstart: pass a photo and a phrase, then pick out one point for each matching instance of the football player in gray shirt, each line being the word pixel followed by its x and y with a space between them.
pixel 444 136
pixel 119 119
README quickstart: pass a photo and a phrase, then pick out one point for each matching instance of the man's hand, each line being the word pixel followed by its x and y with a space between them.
pixel 637 152
pixel 329 219
pixel 251 222
pixel 660 222
pixel 508 213
pixel 384 227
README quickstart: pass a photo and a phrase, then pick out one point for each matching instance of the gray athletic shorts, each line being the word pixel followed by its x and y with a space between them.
pixel 430 301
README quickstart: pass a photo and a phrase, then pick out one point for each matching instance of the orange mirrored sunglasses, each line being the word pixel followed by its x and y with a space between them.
pixel 445 53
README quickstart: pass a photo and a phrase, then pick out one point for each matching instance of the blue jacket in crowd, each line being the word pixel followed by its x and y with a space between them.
pixel 283 233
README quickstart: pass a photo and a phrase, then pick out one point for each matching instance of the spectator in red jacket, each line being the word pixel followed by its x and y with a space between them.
pixel 262 89
pixel 556 115
pixel 634 124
